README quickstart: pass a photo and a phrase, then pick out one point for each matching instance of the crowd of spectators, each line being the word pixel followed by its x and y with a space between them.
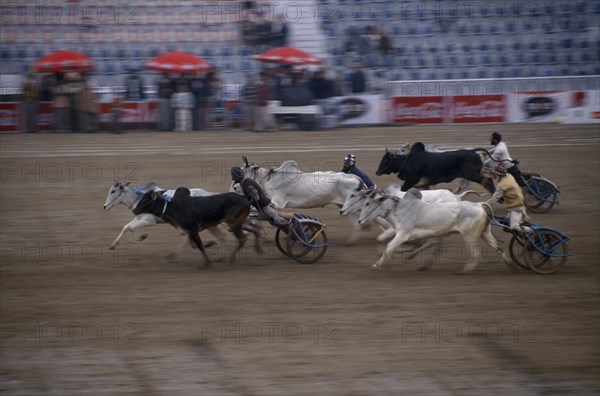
pixel 260 31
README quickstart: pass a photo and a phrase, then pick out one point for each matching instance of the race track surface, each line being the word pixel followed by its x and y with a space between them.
pixel 79 319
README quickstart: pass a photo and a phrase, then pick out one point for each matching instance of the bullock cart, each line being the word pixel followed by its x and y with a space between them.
pixel 544 250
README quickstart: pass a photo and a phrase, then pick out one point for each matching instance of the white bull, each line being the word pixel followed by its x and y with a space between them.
pixel 120 193
pixel 415 220
pixel 289 187
pixel 354 202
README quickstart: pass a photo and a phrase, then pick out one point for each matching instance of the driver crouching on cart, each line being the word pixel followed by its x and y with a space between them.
pixel 507 189
pixel 255 194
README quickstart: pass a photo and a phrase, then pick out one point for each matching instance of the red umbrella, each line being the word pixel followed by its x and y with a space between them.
pixel 63 61
pixel 288 56
pixel 178 62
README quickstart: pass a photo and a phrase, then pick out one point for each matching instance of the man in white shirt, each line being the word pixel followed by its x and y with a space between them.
pixel 499 154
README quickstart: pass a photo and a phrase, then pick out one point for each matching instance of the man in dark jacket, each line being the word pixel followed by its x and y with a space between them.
pixel 350 167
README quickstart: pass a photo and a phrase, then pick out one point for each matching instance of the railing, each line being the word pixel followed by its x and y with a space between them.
pixel 492 86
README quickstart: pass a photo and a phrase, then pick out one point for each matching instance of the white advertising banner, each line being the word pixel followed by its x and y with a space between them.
pixel 586 110
pixel 359 109
pixel 538 106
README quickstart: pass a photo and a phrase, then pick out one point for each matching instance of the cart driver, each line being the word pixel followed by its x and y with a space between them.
pixel 508 189
pixel 254 192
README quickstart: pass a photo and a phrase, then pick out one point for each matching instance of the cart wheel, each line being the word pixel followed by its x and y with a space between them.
pixel 516 247
pixel 537 205
pixel 550 242
pixel 280 237
pixel 302 253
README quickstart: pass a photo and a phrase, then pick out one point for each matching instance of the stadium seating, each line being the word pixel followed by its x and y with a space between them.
pixel 431 38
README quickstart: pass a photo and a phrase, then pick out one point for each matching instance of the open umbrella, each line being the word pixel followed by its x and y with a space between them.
pixel 287 56
pixel 178 62
pixel 63 61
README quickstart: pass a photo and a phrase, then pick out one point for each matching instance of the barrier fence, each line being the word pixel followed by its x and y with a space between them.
pixel 566 99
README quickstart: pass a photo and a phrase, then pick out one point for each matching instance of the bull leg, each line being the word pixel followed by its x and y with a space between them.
pixel 489 238
pixel 463 184
pixel 133 225
pixel 394 244
pixel 424 245
pixel 195 237
pixel 185 240
pixel 241 238
pixel 474 252
pixel 255 230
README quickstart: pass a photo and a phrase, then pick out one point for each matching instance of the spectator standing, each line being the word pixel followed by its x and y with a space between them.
pixel 263 119
pixel 61 105
pixel 385 42
pixel 183 102
pixel 116 109
pixel 358 82
pixel 279 32
pixel 30 97
pixel 134 87
pixel 249 97
pixel 165 91
pixel 86 107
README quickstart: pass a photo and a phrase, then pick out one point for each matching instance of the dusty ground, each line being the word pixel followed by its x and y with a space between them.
pixel 79 319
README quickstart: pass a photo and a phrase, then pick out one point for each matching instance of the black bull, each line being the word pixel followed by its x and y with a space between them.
pixel 423 168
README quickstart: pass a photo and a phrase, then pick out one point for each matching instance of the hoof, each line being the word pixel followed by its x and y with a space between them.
pixel 111 247
pixel 210 244
pixel 142 237
pixel 374 268
pixel 424 268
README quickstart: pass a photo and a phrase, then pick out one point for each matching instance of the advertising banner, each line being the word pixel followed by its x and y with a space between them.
pixel 477 108
pixel 418 109
pixel 359 109
pixel 538 106
pixel 10 117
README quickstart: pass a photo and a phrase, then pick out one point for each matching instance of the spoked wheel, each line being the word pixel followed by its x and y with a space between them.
pixel 516 247
pixel 549 242
pixel 546 190
pixel 315 237
pixel 280 237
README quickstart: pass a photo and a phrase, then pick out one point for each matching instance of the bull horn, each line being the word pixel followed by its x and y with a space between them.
pixel 246 161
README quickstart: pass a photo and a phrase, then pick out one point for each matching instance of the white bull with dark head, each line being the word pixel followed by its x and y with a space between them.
pixel 289 187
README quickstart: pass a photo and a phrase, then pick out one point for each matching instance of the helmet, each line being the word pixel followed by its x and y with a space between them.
pixel 237 173
pixel 350 159
pixel 496 136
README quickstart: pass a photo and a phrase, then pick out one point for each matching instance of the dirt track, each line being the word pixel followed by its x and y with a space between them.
pixel 79 319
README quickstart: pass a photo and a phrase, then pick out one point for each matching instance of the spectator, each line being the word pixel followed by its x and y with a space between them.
pixel 86 107
pixel 30 97
pixel 385 43
pixel 197 88
pixel 116 109
pixel 183 102
pixel 46 88
pixel 357 79
pixel 263 120
pixel 263 32
pixel 279 32
pixel 61 104
pixel 249 97
pixel 320 87
pixel 208 91
pixel 165 91
pixel 357 43
pixel 134 87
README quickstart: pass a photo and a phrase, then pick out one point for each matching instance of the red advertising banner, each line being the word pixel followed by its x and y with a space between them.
pixel 476 108
pixel 418 109
pixel 10 114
